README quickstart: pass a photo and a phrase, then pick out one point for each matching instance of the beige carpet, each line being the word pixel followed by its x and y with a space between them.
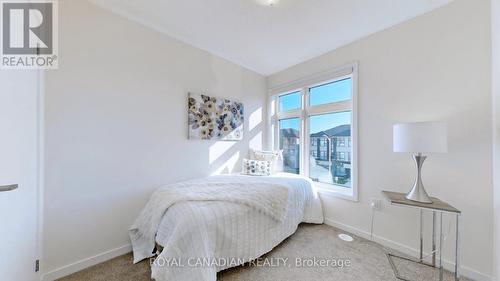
pixel 368 262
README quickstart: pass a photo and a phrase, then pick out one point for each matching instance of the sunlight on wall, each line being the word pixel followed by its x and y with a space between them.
pixel 255 119
pixel 217 149
pixel 256 142
pixel 229 166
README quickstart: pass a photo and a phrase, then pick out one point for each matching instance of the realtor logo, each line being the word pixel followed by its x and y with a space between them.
pixel 29 34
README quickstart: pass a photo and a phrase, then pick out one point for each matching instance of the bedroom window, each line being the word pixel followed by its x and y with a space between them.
pixel 315 126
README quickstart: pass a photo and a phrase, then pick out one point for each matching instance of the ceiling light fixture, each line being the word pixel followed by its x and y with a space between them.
pixel 269 3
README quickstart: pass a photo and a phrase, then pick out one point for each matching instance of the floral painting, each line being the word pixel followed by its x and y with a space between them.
pixel 215 118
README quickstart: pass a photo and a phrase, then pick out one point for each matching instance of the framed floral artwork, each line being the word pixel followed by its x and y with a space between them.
pixel 215 118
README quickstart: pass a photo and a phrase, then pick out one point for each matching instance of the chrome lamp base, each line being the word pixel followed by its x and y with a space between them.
pixel 418 193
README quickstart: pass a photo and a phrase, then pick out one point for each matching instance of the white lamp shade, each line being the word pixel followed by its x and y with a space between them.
pixel 421 137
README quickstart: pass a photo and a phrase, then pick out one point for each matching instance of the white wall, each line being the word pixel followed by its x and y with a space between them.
pixel 496 130
pixel 434 67
pixel 116 128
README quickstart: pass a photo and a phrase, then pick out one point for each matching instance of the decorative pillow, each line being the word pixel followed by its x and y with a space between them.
pixel 275 157
pixel 256 167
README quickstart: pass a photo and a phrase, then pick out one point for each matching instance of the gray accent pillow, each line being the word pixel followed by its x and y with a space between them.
pixel 256 167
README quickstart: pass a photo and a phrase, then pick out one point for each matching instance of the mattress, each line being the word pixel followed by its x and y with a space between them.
pixel 200 238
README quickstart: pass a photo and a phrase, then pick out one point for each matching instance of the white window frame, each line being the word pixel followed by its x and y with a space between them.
pixel 303 85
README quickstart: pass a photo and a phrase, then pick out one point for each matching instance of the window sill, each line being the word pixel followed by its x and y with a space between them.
pixel 334 191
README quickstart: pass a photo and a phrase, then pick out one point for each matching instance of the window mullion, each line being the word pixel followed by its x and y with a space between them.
pixel 330 108
pixel 274 122
pixel 290 114
pixel 305 142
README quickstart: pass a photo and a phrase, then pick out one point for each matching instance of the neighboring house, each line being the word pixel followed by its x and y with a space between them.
pixel 331 149
pixel 332 144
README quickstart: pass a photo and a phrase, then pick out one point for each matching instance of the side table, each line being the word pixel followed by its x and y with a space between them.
pixel 438 206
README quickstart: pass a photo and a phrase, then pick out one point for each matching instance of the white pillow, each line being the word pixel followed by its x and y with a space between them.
pixel 275 157
pixel 256 167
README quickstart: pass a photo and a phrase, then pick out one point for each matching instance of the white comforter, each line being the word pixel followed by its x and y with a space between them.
pixel 215 224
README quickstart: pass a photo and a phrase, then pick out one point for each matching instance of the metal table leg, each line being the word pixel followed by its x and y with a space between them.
pixel 457 250
pixel 421 237
pixel 441 247
pixel 434 238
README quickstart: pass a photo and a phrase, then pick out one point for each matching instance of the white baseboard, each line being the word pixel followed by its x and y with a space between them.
pixel 449 265
pixel 85 263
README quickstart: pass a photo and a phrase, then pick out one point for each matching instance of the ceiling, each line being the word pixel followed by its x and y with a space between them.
pixel 268 39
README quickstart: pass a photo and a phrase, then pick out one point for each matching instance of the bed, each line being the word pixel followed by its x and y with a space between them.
pixel 207 225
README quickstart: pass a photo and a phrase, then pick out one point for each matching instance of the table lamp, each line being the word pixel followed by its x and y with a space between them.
pixel 420 138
